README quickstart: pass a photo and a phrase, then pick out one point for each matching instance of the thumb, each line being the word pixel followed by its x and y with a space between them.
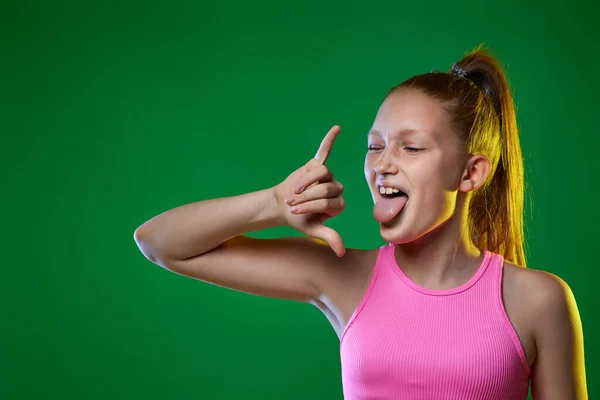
pixel 332 238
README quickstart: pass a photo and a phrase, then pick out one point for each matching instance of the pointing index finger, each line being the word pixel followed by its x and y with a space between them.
pixel 327 144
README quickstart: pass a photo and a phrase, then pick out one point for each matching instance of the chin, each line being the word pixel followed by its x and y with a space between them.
pixel 395 234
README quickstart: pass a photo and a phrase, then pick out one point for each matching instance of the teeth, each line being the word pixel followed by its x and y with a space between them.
pixel 384 190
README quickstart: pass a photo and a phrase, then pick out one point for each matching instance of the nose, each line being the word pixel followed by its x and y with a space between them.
pixel 385 165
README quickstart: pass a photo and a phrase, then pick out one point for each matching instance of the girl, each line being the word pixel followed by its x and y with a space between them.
pixel 446 310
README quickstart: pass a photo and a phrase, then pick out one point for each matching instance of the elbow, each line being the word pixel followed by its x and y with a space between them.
pixel 144 246
pixel 138 234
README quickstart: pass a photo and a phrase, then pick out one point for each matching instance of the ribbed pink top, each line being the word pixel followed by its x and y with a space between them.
pixel 405 341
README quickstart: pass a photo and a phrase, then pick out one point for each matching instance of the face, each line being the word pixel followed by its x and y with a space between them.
pixel 413 148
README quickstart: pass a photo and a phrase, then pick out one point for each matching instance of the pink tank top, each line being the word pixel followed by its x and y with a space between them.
pixel 405 341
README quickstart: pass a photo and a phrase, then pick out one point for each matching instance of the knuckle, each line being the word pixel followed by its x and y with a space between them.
pixel 329 190
pixel 325 171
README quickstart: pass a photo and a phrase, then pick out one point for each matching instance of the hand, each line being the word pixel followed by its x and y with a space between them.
pixel 311 195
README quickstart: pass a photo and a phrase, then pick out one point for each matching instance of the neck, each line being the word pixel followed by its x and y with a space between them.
pixel 445 256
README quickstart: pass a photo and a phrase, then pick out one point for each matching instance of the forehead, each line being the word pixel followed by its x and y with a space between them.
pixel 411 113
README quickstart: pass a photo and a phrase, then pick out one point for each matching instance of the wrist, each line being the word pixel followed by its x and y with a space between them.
pixel 271 211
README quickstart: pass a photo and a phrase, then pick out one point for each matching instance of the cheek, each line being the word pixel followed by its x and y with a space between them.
pixel 439 174
pixel 434 182
pixel 425 174
pixel 438 186
pixel 438 204
pixel 450 172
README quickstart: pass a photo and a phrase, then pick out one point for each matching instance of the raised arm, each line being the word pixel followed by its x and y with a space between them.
pixel 205 240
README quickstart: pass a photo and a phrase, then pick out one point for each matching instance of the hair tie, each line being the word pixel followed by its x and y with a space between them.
pixel 461 73
pixel 456 70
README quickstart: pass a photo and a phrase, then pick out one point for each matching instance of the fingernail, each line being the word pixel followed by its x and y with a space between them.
pixel 294 210
pixel 290 200
pixel 298 189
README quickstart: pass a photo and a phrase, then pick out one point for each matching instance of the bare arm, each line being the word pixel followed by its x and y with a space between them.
pixel 205 240
pixel 559 369
pixel 196 228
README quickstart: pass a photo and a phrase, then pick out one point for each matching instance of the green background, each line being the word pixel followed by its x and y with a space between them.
pixel 112 112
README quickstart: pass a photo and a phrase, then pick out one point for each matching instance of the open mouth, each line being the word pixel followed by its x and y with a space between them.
pixel 390 193
pixel 392 202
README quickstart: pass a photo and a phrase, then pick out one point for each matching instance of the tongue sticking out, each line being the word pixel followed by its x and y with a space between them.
pixel 387 208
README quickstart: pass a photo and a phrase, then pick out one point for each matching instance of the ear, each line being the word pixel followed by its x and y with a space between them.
pixel 476 171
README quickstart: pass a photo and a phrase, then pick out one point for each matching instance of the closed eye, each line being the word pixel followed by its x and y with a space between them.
pixel 409 149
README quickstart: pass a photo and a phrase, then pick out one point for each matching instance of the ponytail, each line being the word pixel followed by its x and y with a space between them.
pixel 480 104
pixel 496 212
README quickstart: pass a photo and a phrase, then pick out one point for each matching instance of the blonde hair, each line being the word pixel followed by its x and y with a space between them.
pixel 478 99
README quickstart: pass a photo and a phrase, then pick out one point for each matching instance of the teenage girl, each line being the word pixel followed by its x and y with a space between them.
pixel 448 309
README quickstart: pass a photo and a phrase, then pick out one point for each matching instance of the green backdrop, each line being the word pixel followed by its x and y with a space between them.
pixel 112 112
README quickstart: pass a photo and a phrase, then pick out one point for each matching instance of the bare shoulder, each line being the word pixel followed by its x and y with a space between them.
pixel 553 300
pixel 542 288
pixel 550 303
pixel 559 368
pixel 350 276
pixel 344 284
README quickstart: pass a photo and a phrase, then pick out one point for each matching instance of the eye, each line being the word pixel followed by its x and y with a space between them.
pixel 373 148
pixel 413 149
